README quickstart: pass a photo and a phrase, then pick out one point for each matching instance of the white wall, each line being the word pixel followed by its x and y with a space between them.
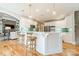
pixel 50 23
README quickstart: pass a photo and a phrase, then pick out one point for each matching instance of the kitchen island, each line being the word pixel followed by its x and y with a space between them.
pixel 48 43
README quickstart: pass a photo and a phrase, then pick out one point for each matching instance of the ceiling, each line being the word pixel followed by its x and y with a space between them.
pixel 5 16
pixel 41 11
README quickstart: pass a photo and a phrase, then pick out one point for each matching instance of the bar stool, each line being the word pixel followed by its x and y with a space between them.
pixel 31 42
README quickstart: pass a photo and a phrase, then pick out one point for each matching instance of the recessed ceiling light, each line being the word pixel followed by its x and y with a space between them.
pixel 30 16
pixel 54 12
pixel 48 10
pixel 37 10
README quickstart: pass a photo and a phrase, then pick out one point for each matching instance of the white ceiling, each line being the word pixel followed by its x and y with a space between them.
pixel 45 10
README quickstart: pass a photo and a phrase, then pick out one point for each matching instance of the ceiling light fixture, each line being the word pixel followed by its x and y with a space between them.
pixel 48 10
pixel 54 12
pixel 37 10
pixel 30 16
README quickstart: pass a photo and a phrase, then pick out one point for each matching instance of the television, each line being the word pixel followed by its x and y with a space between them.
pixel 9 25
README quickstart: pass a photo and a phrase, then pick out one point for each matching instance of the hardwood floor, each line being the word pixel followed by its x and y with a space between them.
pixel 68 50
pixel 12 48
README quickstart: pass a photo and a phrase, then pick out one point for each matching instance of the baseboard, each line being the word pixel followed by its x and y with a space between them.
pixel 70 43
pixel 73 43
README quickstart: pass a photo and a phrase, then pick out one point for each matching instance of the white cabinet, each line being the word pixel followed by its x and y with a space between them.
pixel 53 43
pixel 48 43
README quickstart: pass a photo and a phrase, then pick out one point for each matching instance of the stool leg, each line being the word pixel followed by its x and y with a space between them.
pixel 26 47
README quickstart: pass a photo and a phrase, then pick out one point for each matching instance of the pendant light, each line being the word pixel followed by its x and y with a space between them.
pixel 54 11
pixel 30 16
